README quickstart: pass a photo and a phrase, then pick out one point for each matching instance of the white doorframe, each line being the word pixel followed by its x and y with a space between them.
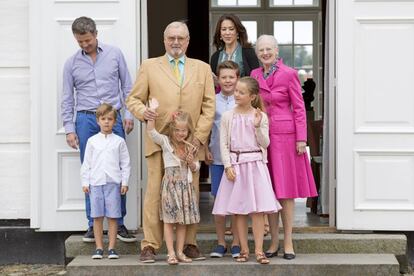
pixel 332 112
pixel 142 41
pixel 35 107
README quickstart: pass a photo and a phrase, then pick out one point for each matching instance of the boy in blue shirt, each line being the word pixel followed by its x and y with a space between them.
pixel 228 73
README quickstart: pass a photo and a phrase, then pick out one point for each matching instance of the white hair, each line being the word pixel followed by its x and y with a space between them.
pixel 177 24
pixel 270 38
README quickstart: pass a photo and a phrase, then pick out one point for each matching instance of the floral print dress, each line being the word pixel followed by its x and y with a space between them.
pixel 179 203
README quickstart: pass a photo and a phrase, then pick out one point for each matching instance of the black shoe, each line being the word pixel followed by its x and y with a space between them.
pixel 89 236
pixel 124 236
pixel 272 254
pixel 289 256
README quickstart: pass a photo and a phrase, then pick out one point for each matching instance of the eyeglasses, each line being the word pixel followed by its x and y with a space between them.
pixel 180 39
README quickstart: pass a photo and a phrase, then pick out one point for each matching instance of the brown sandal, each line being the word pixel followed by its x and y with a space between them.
pixel 261 258
pixel 182 258
pixel 172 260
pixel 243 257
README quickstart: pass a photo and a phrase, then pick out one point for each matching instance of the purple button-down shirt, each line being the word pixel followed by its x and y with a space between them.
pixel 105 81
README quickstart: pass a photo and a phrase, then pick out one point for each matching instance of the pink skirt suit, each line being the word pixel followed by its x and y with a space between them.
pixel 291 173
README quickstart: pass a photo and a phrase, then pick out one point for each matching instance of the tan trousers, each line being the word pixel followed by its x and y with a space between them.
pixel 153 226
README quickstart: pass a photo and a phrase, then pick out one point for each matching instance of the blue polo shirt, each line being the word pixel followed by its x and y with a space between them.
pixel 223 104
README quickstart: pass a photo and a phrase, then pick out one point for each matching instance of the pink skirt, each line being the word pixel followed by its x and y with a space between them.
pixel 291 173
pixel 251 192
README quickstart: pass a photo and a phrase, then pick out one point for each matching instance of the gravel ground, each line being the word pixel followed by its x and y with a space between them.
pixel 33 270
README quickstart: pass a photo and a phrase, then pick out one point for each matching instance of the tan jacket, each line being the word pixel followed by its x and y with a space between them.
pixel 155 79
pixel 262 136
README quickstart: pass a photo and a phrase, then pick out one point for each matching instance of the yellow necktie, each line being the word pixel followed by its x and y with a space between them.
pixel 177 70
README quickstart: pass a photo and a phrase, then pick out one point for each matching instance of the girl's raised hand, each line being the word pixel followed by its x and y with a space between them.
pixel 150 114
pixel 230 173
pixel 257 117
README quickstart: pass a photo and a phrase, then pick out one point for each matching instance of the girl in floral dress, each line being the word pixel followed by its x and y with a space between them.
pixel 179 204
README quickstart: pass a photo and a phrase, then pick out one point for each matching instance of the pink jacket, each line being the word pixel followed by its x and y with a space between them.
pixel 282 95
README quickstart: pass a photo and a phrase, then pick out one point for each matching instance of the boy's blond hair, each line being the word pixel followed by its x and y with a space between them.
pixel 104 109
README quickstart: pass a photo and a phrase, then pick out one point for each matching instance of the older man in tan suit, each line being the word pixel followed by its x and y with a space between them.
pixel 177 82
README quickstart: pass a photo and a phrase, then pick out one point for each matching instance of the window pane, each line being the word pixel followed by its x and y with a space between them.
pixel 285 52
pixel 303 32
pixel 304 2
pixel 251 28
pixel 303 57
pixel 282 30
pixel 226 2
pixel 235 3
pixel 282 3
pixel 294 3
pixel 248 3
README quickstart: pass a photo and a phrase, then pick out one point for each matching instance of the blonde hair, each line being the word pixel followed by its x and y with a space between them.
pixel 254 89
pixel 104 109
pixel 182 117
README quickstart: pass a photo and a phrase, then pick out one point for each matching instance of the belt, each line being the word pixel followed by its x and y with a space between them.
pixel 237 152
pixel 87 112
pixel 92 112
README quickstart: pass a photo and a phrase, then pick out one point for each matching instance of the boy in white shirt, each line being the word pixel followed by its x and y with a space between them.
pixel 106 165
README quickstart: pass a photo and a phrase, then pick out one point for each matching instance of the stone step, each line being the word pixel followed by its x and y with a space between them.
pixel 304 243
pixel 304 264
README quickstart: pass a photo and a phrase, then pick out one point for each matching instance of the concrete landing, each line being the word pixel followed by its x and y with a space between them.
pixel 304 264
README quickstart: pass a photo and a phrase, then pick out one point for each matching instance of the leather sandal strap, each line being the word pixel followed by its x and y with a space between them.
pixel 261 258
pixel 243 257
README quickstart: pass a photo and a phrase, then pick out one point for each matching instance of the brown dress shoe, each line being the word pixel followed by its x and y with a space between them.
pixel 193 252
pixel 147 255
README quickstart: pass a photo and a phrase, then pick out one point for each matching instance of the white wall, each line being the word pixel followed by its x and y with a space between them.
pixel 14 110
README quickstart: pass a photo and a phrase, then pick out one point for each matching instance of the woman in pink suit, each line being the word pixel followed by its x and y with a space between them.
pixel 289 166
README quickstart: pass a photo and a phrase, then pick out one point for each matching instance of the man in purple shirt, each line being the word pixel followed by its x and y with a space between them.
pixel 99 74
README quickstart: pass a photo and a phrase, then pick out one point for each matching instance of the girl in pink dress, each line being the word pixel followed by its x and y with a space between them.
pixel 246 189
